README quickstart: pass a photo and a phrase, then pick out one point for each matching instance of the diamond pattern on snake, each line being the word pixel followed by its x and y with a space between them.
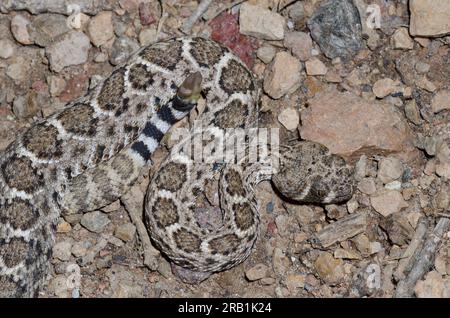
pixel 88 154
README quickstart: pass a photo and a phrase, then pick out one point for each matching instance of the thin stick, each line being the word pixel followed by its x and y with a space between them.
pixel 414 246
pixel 424 259
pixel 201 9
pixel 226 7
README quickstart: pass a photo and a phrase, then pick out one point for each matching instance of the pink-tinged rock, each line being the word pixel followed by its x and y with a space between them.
pixel 225 29
pixel 283 75
pixel 431 287
pixel 314 66
pixel 350 125
pixel 300 44
pixel 387 202
pixel 75 87
pixel 19 29
pixel 100 28
pixel 129 5
pixel 145 13
pixel 39 86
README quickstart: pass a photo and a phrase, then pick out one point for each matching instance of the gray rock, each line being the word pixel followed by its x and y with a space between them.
pixel 61 6
pixel 46 27
pixel 70 49
pixel 95 221
pixel 336 27
pixel 122 48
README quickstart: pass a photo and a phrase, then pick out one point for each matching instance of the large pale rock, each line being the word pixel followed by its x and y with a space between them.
pixel 300 43
pixel 46 28
pixel 70 49
pixel 19 29
pixel 349 125
pixel 100 28
pixel 260 22
pixel 429 17
pixel 283 75
pixel 387 202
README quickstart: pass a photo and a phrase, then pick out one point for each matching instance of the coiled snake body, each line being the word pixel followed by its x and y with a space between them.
pixel 89 153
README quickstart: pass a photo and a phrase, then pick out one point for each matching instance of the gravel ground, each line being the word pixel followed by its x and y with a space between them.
pixel 368 79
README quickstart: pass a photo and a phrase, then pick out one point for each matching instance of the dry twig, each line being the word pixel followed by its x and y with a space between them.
pixel 201 9
pixel 423 260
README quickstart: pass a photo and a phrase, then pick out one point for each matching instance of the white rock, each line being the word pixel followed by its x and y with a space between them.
pixel 6 48
pixel 19 29
pixel 429 17
pixel 289 118
pixel 394 185
pixel 261 23
pixel 441 101
pixel 314 66
pixel 402 40
pixel 283 75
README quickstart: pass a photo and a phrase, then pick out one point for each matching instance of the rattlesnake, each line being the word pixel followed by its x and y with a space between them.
pixel 90 152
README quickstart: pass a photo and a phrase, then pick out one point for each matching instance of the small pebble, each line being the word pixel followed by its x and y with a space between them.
pixel 315 67
pixel 266 53
pixel 289 118
pixel 95 221
pixel 389 169
pixel 125 232
pixel 257 272
pixel 6 48
pixel 62 250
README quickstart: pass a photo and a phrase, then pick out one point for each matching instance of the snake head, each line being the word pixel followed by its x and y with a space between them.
pixel 309 173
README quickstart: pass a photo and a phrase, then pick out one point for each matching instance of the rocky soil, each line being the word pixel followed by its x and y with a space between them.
pixel 370 79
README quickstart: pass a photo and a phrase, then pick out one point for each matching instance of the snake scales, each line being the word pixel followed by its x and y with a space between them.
pixel 89 153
